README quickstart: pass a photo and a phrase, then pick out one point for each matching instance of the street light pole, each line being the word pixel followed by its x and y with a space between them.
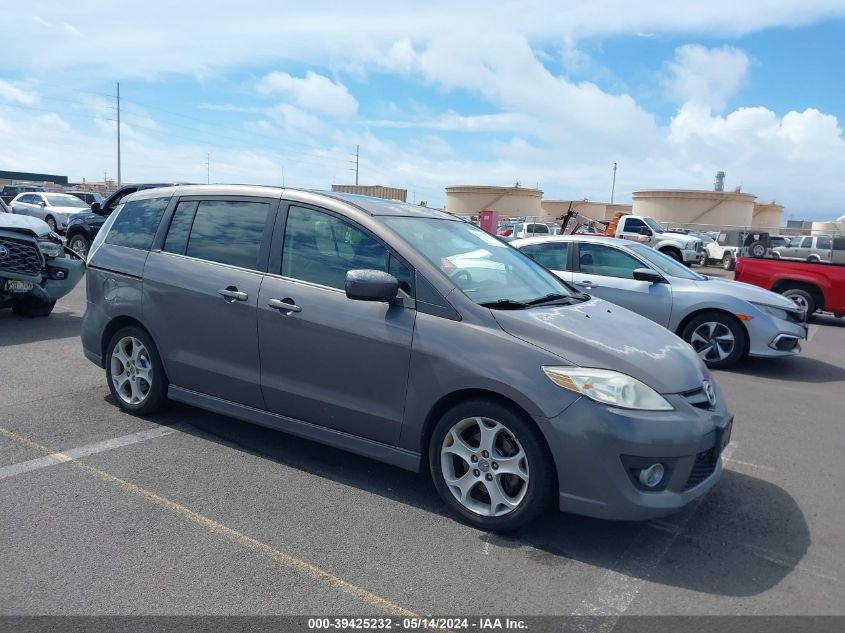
pixel 613 186
pixel 118 135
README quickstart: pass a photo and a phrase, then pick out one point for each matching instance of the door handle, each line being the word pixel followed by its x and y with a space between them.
pixel 285 304
pixel 231 293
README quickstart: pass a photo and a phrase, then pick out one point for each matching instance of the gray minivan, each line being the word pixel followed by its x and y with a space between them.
pixel 406 335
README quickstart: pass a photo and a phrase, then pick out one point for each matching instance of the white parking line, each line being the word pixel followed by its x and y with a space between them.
pixel 84 451
pixel 619 587
pixel 811 332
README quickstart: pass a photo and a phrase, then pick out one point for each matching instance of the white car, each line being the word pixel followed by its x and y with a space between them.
pixel 55 209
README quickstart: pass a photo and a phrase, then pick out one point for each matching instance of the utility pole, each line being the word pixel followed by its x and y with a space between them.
pixel 208 168
pixel 118 135
pixel 283 175
pixel 357 148
pixel 613 186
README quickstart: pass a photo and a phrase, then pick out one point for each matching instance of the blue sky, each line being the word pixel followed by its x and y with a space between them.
pixel 548 93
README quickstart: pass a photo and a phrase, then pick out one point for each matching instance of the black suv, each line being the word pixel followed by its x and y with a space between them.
pixel 8 192
pixel 83 227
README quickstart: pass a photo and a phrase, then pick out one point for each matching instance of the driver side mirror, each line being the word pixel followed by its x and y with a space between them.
pixel 647 274
pixel 96 207
pixel 371 285
pixel 42 204
pixel 646 231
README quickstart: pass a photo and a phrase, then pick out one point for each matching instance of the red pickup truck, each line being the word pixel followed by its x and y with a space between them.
pixel 812 285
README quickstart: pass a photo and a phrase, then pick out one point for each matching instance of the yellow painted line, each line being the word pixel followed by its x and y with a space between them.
pixel 287 560
pixel 749 465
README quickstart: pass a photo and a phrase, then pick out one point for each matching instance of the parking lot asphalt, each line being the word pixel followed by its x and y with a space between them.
pixel 189 512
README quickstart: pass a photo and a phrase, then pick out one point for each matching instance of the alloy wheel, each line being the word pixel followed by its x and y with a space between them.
pixel 131 370
pixel 484 466
pixel 713 341
pixel 801 302
pixel 79 245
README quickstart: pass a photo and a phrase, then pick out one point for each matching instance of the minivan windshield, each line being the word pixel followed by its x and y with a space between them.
pixel 664 263
pixel 484 268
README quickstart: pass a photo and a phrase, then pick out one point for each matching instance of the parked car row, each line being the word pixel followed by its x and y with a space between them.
pixel 722 320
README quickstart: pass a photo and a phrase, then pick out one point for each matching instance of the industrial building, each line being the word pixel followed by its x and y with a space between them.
pixel 21 177
pixel 388 193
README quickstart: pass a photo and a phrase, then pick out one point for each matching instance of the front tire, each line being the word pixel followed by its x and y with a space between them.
pixel 718 339
pixel 79 244
pixel 134 372
pixel 51 222
pixel 490 465
pixel 671 252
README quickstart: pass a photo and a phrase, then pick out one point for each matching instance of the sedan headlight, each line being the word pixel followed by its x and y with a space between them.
pixel 778 313
pixel 50 248
pixel 609 387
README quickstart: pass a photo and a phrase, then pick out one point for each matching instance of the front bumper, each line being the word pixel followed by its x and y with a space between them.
pixel 772 337
pixel 57 279
pixel 596 447
pixel 693 256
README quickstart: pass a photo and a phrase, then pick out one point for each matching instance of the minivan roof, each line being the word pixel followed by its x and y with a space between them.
pixel 368 204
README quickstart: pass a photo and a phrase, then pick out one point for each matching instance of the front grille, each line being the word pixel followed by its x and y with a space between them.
pixel 697 398
pixel 19 256
pixel 705 464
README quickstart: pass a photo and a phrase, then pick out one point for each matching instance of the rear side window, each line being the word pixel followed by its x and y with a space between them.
pixel 223 231
pixel 823 243
pixel 137 223
pixel 552 255
pixel 839 243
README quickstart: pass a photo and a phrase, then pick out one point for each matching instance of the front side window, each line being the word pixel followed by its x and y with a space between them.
pixel 654 225
pixel 633 225
pixel 552 255
pixel 795 242
pixel 222 231
pixel 321 248
pixel 137 223
pixel 484 268
pixel 664 263
pixel 597 259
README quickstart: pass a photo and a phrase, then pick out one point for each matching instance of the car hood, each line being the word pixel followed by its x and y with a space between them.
pixel 603 335
pixel 744 291
pixel 24 224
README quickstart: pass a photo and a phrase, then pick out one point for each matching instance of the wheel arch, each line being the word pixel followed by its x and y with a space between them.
pixel 456 397
pixel 116 324
pixel 782 285
pixel 685 321
pixel 671 247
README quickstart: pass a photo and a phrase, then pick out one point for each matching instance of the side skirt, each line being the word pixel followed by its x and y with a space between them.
pixel 368 448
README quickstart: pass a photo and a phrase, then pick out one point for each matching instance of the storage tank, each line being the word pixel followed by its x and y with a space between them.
pixel 507 201
pixel 767 216
pixel 684 207
pixel 828 228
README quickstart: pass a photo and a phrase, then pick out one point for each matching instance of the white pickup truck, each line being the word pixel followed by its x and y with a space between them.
pixel 680 247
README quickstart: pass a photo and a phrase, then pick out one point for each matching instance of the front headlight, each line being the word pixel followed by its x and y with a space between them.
pixel 50 248
pixel 609 387
pixel 778 313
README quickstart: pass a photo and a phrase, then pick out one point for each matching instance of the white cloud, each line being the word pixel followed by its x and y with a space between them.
pixel 706 76
pixel 11 92
pixel 312 92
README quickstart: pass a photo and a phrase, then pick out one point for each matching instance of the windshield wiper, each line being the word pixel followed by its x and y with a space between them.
pixel 504 304
pixel 554 296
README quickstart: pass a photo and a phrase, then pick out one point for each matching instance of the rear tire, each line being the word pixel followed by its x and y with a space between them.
pixel 757 249
pixel 802 298
pixel 457 450
pixel 51 222
pixel 134 372
pixel 814 259
pixel 728 262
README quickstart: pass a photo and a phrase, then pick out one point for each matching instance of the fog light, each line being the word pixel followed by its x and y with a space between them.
pixel 652 476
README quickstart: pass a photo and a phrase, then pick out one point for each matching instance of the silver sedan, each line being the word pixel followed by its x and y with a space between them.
pixel 723 320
